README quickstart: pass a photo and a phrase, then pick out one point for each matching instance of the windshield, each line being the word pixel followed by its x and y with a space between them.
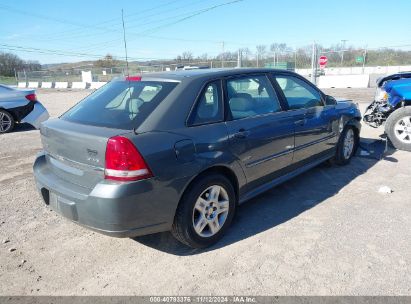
pixel 120 104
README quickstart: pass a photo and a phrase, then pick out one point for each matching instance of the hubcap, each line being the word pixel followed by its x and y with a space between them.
pixel 210 211
pixel 402 129
pixel 349 142
pixel 5 122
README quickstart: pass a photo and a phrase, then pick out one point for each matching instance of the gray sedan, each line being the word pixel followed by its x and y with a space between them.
pixel 20 106
pixel 181 150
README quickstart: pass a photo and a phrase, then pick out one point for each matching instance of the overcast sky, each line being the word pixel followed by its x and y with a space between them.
pixel 62 31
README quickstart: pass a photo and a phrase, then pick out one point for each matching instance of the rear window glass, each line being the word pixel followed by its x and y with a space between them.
pixel 120 104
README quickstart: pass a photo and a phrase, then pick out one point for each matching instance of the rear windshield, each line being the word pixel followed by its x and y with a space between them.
pixel 120 104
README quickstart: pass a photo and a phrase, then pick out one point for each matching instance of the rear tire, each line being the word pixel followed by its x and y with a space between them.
pixel 7 122
pixel 398 128
pixel 346 147
pixel 205 212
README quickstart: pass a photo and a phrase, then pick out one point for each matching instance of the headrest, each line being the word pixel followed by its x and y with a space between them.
pixel 241 104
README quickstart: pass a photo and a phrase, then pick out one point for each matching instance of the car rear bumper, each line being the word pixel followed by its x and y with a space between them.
pixel 36 116
pixel 112 208
pixel 21 111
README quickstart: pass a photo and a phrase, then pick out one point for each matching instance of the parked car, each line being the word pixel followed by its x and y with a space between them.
pixel 392 107
pixel 181 150
pixel 19 106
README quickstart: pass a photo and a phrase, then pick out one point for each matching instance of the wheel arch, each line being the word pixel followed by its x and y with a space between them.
pixel 10 112
pixel 219 169
pixel 355 122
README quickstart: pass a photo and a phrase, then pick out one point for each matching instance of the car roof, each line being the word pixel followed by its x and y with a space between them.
pixel 396 76
pixel 5 86
pixel 200 73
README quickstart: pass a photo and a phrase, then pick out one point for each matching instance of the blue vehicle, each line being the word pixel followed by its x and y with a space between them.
pixel 392 107
pixel 181 150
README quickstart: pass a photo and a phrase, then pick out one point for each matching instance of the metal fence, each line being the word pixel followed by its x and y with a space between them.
pixel 302 60
pixel 107 74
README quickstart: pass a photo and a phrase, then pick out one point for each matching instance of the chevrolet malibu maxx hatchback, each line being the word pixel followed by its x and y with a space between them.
pixel 181 150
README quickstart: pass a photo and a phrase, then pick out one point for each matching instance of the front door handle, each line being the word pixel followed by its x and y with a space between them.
pixel 241 134
pixel 301 122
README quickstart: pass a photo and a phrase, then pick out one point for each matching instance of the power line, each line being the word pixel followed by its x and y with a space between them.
pixel 77 36
pixel 65 53
pixel 97 26
pixel 151 30
pixel 194 14
pixel 139 34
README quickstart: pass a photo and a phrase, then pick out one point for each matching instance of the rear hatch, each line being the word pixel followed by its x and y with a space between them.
pixel 75 152
pixel 76 143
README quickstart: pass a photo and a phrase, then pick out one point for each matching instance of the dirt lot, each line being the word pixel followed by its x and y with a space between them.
pixel 327 232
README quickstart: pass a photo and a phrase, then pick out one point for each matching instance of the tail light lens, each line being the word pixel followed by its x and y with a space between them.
pixel 124 162
pixel 31 97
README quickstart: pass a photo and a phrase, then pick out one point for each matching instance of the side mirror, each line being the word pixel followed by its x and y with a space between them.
pixel 329 100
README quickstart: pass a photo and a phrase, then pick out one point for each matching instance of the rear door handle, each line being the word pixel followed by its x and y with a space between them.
pixel 241 134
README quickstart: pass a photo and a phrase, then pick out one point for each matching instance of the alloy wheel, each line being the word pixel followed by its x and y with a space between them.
pixel 210 211
pixel 5 122
pixel 402 129
pixel 349 142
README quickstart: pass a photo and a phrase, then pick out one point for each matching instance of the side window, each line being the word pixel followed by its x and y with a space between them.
pixel 149 92
pixel 298 93
pixel 209 107
pixel 251 96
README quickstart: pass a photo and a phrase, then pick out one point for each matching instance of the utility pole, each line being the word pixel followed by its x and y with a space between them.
pixel 342 51
pixel 363 59
pixel 15 76
pixel 239 58
pixel 314 63
pixel 222 55
pixel 295 60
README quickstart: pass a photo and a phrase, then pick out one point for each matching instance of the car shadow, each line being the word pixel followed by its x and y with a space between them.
pixel 22 127
pixel 283 202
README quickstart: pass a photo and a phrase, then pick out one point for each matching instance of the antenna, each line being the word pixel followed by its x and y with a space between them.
pixel 125 42
pixel 128 71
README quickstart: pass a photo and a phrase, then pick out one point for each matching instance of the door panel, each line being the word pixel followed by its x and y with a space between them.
pixel 314 133
pixel 263 144
pixel 261 134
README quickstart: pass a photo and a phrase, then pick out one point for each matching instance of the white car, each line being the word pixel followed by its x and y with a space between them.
pixel 20 106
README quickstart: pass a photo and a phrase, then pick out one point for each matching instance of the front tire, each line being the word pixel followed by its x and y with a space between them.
pixel 398 128
pixel 205 211
pixel 6 122
pixel 347 145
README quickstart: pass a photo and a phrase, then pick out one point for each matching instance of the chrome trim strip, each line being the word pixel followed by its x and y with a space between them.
pixel 65 167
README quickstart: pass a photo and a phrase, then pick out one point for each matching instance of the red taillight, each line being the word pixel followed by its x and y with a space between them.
pixel 124 162
pixel 133 78
pixel 31 97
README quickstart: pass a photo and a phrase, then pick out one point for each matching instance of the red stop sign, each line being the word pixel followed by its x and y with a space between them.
pixel 323 61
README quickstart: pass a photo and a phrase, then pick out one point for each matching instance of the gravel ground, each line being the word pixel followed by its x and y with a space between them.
pixel 326 232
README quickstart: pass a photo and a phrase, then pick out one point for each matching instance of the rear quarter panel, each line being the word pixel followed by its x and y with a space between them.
pixel 172 171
